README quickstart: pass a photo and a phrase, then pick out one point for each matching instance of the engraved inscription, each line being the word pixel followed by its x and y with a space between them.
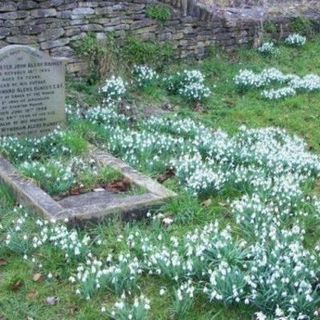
pixel 32 92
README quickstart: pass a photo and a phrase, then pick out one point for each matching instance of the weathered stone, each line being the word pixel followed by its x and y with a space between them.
pixel 120 33
pixel 22 39
pixel 13 15
pixel 2 44
pixel 90 4
pixel 51 34
pixel 15 31
pixel 78 36
pixel 50 21
pixel 92 27
pixel 177 36
pixel 56 3
pixel 54 43
pixel 165 36
pixel 63 52
pixel 4 32
pixel 119 7
pixel 78 67
pixel 27 5
pixel 65 14
pixel 78 22
pixel 6 6
pixel 146 30
pixel 33 29
pixel 68 6
pixel 81 12
pixel 44 13
pixel 71 31
pixel 104 11
pixel 101 35
pixel 31 92
pixel 193 34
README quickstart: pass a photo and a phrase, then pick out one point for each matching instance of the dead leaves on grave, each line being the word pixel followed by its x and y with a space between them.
pixel 168 174
pixel 117 186
pixel 3 262
pixel 37 277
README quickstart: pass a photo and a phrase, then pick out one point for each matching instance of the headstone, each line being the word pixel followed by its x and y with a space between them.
pixel 32 91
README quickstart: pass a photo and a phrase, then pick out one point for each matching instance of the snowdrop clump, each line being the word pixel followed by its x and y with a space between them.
pixel 22 149
pixel 267 49
pixel 184 299
pixel 103 115
pixel 199 176
pixel 57 176
pixel 144 75
pixel 115 275
pixel 247 79
pixel 308 83
pixel 189 84
pixel 264 264
pixel 295 40
pixel 277 94
pixel 19 240
pixel 54 174
pixel 208 161
pixel 125 310
pixel 113 90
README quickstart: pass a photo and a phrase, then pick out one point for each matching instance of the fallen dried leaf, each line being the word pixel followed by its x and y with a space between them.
pixel 167 106
pixel 16 285
pixel 3 262
pixel 229 103
pixel 75 191
pixel 37 277
pixel 198 107
pixel 32 295
pixel 223 204
pixel 169 173
pixel 118 186
pixel 51 301
pixel 72 310
pixel 206 203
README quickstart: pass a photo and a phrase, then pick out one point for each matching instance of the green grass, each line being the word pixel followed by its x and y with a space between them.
pixel 228 110
pixel 225 109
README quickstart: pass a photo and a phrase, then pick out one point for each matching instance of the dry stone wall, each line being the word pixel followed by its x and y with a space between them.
pixel 55 25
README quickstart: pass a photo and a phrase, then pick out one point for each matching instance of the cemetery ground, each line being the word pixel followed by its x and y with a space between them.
pixel 237 240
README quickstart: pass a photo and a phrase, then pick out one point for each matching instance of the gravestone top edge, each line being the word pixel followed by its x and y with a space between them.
pixel 41 54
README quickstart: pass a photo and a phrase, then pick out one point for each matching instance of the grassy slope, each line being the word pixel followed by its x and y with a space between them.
pixel 227 110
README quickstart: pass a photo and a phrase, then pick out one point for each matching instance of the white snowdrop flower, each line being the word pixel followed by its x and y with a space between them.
pixel 167 221
pixel 295 39
pixel 162 291
pixel 267 48
pixel 276 94
pixel 260 316
pixel 113 90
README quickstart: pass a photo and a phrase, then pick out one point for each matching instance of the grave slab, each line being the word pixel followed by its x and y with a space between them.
pixel 92 205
